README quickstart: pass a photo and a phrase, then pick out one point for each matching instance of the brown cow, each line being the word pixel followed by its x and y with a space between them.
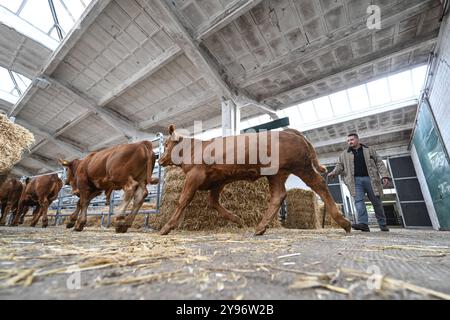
pixel 127 167
pixel 295 156
pixel 10 192
pixel 38 192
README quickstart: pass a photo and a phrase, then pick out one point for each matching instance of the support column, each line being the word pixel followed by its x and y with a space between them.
pixel 231 118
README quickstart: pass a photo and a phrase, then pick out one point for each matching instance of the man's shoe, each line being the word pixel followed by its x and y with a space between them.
pixel 384 228
pixel 361 226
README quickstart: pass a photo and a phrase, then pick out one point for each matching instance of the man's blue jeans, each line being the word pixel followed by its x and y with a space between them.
pixel 363 186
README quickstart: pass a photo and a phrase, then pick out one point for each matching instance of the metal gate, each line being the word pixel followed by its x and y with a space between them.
pixel 410 200
pixel 66 202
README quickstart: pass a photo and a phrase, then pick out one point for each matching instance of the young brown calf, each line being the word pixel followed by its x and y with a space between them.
pixel 10 191
pixel 38 192
pixel 127 167
pixel 291 154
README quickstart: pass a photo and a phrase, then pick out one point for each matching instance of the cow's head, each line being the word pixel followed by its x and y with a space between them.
pixel 71 170
pixel 171 141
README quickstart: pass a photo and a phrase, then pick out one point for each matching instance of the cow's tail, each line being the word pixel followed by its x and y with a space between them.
pixel 151 160
pixel 312 152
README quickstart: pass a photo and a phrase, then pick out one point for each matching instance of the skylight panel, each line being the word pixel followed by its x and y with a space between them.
pixel 308 112
pixel 401 86
pixel 12 5
pixel 359 99
pixel 37 12
pixel 379 92
pixel 323 108
pixel 340 103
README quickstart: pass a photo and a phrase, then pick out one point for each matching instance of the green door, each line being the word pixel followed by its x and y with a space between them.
pixel 435 163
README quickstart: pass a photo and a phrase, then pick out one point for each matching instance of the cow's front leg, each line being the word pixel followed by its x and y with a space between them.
pixel 74 216
pixel 194 180
pixel 138 199
pixel 277 196
pixel 129 192
pixel 85 199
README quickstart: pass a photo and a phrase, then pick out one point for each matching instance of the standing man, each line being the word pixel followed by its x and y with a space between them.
pixel 363 172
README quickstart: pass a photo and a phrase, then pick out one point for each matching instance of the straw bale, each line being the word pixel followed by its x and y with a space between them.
pixel 14 140
pixel 247 200
pixel 302 210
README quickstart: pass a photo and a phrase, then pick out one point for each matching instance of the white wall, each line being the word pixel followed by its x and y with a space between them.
pixel 294 182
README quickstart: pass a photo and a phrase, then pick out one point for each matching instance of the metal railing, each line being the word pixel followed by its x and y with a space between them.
pixel 66 202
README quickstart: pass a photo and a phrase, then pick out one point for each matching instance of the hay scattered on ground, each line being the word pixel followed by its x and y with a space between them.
pixel 231 265
pixel 247 200
pixel 14 140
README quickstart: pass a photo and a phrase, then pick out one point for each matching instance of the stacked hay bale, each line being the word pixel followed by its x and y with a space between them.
pixel 302 210
pixel 248 200
pixel 14 140
pixel 329 221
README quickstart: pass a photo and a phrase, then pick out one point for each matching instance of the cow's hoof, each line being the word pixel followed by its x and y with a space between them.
pixel 79 228
pixel 70 225
pixel 21 221
pixel 44 225
pixel 121 228
pixel 14 225
pixel 260 232
pixel 2 224
pixel 165 231
pixel 240 222
pixel 347 226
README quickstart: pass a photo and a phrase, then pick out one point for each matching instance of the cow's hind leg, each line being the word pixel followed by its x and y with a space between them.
pixel 19 216
pixel 214 196
pixel 44 209
pixel 138 199
pixel 24 212
pixel 5 209
pixel 14 210
pixel 85 199
pixel 193 181
pixel 108 197
pixel 277 196
pixel 129 191
pixel 36 215
pixel 317 184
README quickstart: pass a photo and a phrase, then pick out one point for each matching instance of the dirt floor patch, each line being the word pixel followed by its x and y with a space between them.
pixel 57 263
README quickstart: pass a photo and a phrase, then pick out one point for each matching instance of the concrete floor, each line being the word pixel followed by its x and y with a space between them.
pixel 283 264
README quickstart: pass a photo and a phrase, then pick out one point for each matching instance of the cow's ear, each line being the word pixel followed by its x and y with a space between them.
pixel 175 137
pixel 171 129
pixel 64 163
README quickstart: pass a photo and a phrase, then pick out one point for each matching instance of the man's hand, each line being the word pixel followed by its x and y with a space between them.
pixel 331 175
pixel 386 182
